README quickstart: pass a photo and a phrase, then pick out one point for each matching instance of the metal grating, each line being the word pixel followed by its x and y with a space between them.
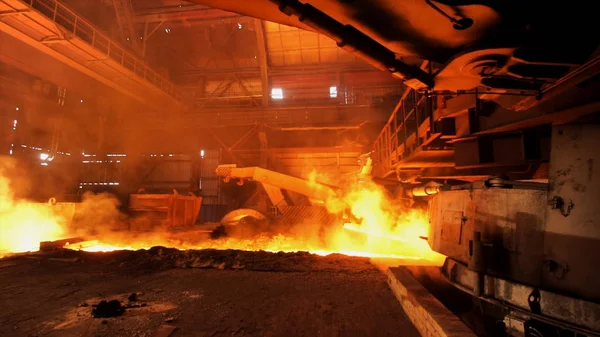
pixel 315 214
pixel 292 46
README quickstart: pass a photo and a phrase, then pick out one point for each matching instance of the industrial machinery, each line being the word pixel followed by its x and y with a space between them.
pixel 291 200
pixel 531 247
pixel 165 210
pixel 497 130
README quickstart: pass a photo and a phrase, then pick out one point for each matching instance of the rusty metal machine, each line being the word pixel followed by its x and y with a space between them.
pixel 166 210
pixel 494 89
pixel 531 247
pixel 292 200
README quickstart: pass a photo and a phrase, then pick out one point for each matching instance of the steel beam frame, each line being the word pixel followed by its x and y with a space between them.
pixel 230 149
pixel 262 59
pixel 184 13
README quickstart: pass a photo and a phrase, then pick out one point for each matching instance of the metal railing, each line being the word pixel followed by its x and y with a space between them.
pixel 400 135
pixel 86 31
pixel 317 95
pixel 125 19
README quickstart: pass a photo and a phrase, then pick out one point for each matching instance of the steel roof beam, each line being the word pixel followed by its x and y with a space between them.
pixel 204 13
pixel 261 48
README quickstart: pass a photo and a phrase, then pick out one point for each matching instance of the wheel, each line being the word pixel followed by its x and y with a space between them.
pixel 241 223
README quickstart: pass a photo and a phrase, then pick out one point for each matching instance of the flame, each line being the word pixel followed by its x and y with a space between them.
pixel 97 246
pixel 273 244
pixel 382 229
pixel 388 228
pixel 24 224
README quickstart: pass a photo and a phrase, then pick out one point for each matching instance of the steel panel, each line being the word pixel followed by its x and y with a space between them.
pixel 166 209
pixel 572 238
pixel 212 213
pixel 511 222
pixel 171 171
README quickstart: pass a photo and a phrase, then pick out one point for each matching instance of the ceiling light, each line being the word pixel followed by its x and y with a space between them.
pixel 333 92
pixel 239 26
pixel 277 93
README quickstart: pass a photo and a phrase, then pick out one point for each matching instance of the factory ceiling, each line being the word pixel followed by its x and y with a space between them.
pixel 225 59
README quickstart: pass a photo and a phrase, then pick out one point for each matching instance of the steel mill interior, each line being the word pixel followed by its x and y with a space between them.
pixel 305 168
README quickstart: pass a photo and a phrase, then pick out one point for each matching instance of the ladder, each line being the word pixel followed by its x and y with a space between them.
pixel 126 21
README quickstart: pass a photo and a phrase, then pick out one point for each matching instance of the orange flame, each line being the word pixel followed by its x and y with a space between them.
pixel 385 230
pixel 388 228
pixel 24 224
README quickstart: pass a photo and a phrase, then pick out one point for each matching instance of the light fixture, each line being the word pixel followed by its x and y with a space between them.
pixel 17 108
pixel 167 30
pixel 277 93
pixel 80 101
pixel 44 156
pixel 202 153
pixel 239 26
pixel 333 92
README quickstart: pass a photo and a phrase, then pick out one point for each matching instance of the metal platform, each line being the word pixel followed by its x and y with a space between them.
pixel 55 32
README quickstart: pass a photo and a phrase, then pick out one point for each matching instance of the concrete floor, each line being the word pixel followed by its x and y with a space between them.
pixel 207 293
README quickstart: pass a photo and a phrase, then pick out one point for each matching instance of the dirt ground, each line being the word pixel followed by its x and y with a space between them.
pixel 199 293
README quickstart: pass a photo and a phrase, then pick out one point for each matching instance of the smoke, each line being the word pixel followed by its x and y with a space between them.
pixel 97 215
pixel 25 223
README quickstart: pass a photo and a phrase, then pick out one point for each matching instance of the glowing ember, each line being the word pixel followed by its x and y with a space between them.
pixel 278 243
pixel 96 246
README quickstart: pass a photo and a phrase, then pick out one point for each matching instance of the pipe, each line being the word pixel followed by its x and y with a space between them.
pixel 354 41
pixel 424 191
